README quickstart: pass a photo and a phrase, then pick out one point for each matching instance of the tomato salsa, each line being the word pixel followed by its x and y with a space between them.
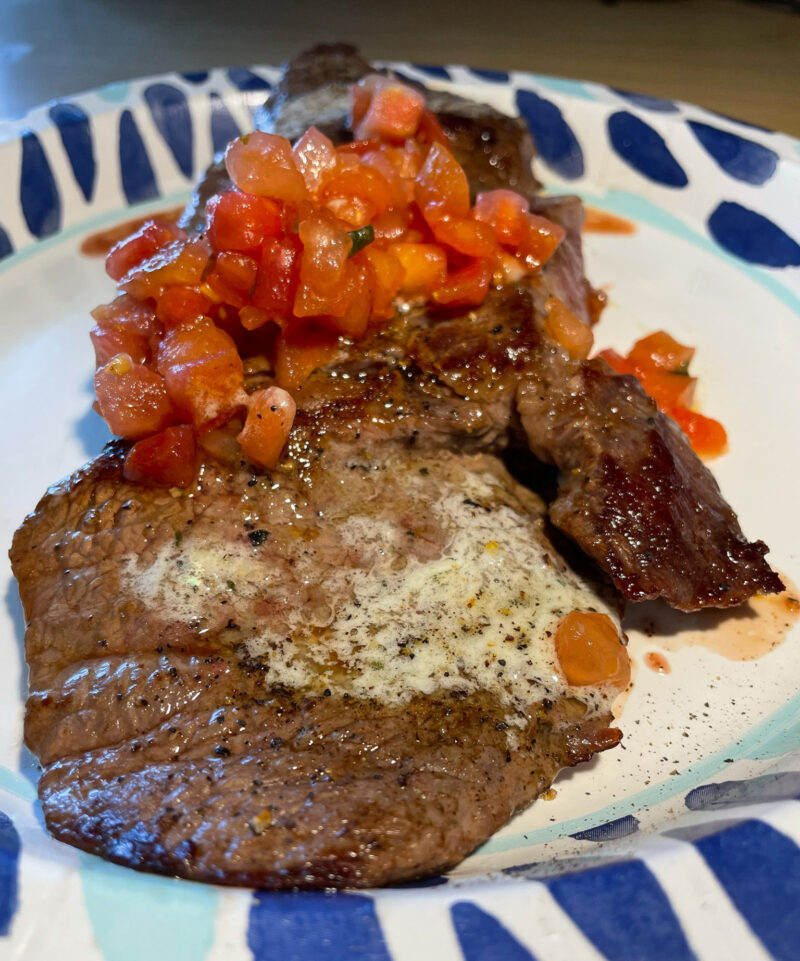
pixel 312 243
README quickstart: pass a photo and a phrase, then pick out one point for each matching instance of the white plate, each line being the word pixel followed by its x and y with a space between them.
pixel 681 845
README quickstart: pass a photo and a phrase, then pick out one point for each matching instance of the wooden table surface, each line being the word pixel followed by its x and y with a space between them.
pixel 740 58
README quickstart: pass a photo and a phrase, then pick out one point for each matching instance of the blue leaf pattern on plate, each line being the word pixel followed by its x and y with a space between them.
pixel 752 236
pixel 170 111
pixel 743 159
pixel 138 179
pixel 620 828
pixel 245 79
pixel 624 912
pixel 483 938
pixel 314 927
pixel 75 129
pixel 433 70
pixel 493 76
pixel 9 869
pixel 6 247
pixel 648 102
pixel 760 870
pixel 643 148
pixel 223 127
pixel 555 141
pixel 38 193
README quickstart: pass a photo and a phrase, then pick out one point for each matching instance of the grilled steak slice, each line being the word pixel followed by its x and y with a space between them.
pixel 346 680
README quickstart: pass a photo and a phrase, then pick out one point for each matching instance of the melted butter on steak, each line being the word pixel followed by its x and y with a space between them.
pixel 475 613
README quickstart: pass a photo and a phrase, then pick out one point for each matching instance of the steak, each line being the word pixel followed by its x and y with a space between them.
pixel 342 672
pixel 282 682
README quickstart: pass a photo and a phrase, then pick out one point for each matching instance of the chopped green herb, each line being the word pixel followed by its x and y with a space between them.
pixel 360 238
pixel 230 585
pixel 178 537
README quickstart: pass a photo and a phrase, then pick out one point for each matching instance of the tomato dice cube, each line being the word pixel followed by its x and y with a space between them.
pixel 269 419
pixel 277 278
pixel 466 287
pixel 132 398
pixel 108 343
pixel 239 221
pixel 393 111
pixel 167 459
pixel 140 246
pixel 424 266
pixel 443 183
pixel 262 163
pixel 315 157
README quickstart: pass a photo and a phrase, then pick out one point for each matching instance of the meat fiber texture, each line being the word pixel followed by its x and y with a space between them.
pixel 342 672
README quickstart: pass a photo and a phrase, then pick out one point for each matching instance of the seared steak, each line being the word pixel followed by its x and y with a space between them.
pixel 274 682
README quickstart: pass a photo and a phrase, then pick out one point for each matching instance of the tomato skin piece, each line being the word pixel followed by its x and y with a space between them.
pixel 109 343
pixel 567 329
pixel 203 372
pixel 466 287
pixel 166 459
pixel 133 399
pixel 179 305
pixel 442 182
pixel 468 237
pixel 278 278
pixel 660 350
pixel 262 163
pixel 127 254
pixel 269 419
pixel 299 353
pixel 316 158
pixel 424 266
pixel 239 221
pixel 181 263
pixel 590 651
pixel 706 435
pixel 504 211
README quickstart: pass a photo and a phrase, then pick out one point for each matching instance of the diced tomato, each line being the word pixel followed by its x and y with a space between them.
pixel 202 370
pixel 364 183
pixel 315 158
pixel 430 130
pixel 466 287
pixel 443 183
pixel 659 349
pixel 269 419
pixel 326 248
pixel 354 318
pixel 393 111
pixel 390 226
pixel 108 343
pixel 468 237
pixel 540 241
pixel 251 318
pixel 618 363
pixel 590 650
pixel 667 389
pixel 567 329
pixel 424 266
pixel 299 353
pixel 149 238
pixel 407 160
pixel 179 264
pixel 278 277
pixel 262 163
pixel 504 211
pixel 125 313
pixel 707 436
pixel 132 398
pixel 239 221
pixel 387 275
pixel 167 459
pixel 178 305
pixel 360 97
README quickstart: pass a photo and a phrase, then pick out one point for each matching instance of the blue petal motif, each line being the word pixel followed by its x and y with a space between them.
pixel 555 141
pixel 782 785
pixel 644 149
pixel 620 828
pixel 223 127
pixel 198 76
pixel 648 102
pixel 760 870
pixel 483 938
pixel 743 159
pixel 433 70
pixel 9 869
pixel 38 193
pixel 170 111
pixel 245 79
pixel 752 236
pixel 314 927
pixel 76 135
pixel 493 76
pixel 138 179
pixel 624 912
pixel 6 247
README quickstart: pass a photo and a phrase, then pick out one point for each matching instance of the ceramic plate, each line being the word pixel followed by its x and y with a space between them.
pixel 683 844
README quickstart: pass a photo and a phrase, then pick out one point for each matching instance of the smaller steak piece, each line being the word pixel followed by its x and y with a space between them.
pixel 633 494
